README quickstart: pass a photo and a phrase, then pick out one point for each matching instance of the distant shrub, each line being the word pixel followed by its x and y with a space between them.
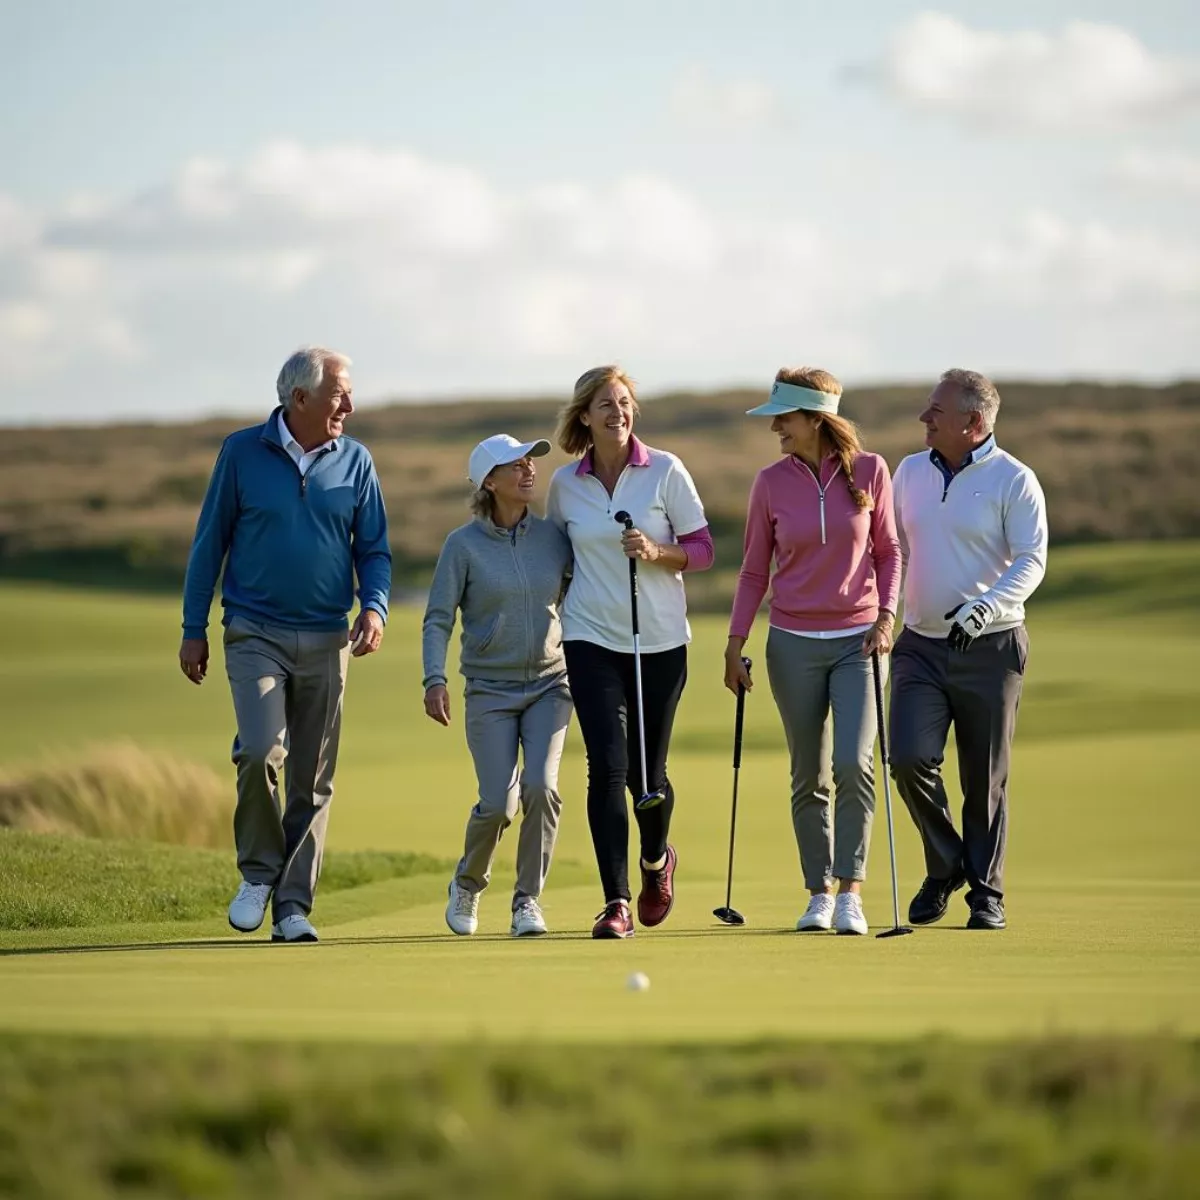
pixel 121 791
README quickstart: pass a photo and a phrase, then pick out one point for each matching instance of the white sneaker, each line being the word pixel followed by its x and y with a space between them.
pixel 295 928
pixel 818 916
pixel 848 914
pixel 249 906
pixel 527 919
pixel 462 913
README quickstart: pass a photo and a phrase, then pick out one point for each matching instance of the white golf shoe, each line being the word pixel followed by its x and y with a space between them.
pixel 848 914
pixel 818 916
pixel 462 912
pixel 527 919
pixel 249 906
pixel 295 928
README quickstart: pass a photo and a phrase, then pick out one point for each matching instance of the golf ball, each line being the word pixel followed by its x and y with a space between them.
pixel 638 982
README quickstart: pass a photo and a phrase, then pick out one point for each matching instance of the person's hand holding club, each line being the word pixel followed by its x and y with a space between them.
pixel 970 620
pixel 737 668
pixel 637 545
pixel 878 639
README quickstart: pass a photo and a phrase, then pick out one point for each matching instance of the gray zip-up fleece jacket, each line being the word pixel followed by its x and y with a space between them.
pixel 506 585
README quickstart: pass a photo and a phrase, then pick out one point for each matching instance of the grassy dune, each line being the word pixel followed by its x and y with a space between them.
pixel 119 792
pixel 116 506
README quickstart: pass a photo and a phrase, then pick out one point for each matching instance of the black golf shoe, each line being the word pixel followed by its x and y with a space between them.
pixel 986 913
pixel 933 897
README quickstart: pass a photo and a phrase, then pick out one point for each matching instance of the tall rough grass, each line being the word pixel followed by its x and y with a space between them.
pixel 121 791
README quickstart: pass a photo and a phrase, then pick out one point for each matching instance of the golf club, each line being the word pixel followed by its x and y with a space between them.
pixel 897 930
pixel 729 915
pixel 647 799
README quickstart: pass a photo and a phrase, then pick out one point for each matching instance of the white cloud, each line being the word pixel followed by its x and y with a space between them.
pixel 424 265
pixel 1087 76
pixel 1091 264
pixel 185 297
pixel 698 98
pixel 1170 173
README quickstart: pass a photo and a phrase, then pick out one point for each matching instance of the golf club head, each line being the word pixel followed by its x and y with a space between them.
pixel 729 916
pixel 649 800
pixel 623 518
pixel 897 931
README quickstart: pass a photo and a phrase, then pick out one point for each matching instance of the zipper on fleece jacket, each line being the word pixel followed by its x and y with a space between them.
pixel 821 492
pixel 512 544
pixel 303 475
pixel 947 482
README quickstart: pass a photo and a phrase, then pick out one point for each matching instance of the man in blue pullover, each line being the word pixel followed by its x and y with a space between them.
pixel 293 513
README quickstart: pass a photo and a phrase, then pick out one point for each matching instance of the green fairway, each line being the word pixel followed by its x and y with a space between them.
pixel 1104 897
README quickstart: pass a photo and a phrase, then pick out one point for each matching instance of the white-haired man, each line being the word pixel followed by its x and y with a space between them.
pixel 293 513
pixel 972 526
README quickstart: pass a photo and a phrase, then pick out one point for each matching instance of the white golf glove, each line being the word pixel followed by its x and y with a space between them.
pixel 970 621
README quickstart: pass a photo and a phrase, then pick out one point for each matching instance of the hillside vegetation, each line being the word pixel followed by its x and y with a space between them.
pixel 117 504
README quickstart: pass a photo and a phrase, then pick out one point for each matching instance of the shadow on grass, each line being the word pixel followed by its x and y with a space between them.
pixel 399 939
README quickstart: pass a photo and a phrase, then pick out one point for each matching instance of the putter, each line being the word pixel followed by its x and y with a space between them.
pixel 729 915
pixel 897 930
pixel 647 799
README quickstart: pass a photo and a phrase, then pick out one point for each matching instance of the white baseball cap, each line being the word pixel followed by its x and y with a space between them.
pixel 499 450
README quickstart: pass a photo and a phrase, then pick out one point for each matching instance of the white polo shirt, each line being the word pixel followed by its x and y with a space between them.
pixel 658 493
pixel 977 533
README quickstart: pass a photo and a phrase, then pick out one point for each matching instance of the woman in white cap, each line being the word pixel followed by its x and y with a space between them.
pixel 504 574
pixel 616 473
pixel 823 513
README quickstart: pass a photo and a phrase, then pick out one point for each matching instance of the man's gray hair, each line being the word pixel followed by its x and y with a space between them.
pixel 306 370
pixel 976 393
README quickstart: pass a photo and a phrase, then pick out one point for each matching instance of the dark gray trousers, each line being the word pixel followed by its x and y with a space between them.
pixel 978 691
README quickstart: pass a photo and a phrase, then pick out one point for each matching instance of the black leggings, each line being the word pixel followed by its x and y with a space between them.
pixel 605 695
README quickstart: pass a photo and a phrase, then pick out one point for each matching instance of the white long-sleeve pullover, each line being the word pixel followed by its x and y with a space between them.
pixel 978 534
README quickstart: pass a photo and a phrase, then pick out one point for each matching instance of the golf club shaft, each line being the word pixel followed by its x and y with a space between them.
pixel 641 711
pixel 738 725
pixel 737 763
pixel 887 785
pixel 637 672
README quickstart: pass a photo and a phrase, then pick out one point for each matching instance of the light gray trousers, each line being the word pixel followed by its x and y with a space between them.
pixel 506 720
pixel 810 679
pixel 287 687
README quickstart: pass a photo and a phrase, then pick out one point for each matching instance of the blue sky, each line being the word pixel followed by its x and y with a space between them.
pixel 489 198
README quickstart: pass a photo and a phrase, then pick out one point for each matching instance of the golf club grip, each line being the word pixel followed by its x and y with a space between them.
pixel 633 594
pixel 623 519
pixel 876 671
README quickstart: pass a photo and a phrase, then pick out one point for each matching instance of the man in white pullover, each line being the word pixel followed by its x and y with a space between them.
pixel 972 526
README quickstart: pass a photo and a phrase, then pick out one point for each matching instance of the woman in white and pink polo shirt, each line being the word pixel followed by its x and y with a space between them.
pixel 824 514
pixel 615 471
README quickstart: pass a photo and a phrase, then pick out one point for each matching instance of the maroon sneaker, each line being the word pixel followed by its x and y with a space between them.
pixel 658 892
pixel 615 921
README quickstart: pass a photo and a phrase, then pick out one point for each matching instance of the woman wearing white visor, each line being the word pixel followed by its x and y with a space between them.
pixel 824 514
pixel 504 574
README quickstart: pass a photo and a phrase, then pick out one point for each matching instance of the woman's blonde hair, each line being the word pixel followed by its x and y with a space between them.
pixel 571 434
pixel 483 503
pixel 837 435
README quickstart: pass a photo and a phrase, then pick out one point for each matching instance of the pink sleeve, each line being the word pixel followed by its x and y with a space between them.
pixel 698 546
pixel 758 548
pixel 885 546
